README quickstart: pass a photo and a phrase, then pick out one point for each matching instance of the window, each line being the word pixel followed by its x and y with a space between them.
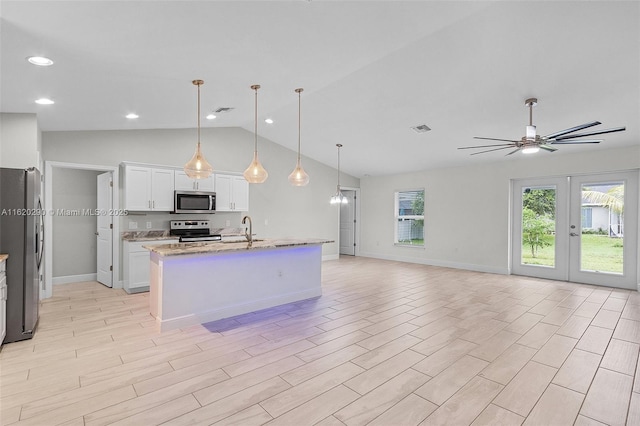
pixel 409 217
pixel 587 218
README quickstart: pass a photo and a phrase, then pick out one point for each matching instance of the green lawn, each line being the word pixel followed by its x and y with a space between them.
pixel 599 253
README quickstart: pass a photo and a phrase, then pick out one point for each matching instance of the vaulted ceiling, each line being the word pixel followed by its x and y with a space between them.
pixel 370 71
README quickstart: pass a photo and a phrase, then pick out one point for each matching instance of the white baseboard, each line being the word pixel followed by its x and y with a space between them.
pixel 442 263
pixel 74 278
pixel 330 257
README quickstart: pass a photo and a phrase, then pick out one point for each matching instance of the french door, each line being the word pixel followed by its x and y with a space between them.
pixel 577 228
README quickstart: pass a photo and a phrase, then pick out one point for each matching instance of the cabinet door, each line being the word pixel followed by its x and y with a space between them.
pixel 183 182
pixel 3 304
pixel 223 193
pixel 137 188
pixel 162 189
pixel 240 191
pixel 207 184
pixel 139 269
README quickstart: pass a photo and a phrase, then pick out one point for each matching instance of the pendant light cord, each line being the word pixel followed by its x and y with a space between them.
pixel 299 124
pixel 255 129
pixel 198 84
pixel 339 146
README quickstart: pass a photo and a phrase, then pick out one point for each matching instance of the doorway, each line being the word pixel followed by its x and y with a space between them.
pixel 114 254
pixel 349 215
pixel 577 228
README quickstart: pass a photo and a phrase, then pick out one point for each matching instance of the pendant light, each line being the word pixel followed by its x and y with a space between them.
pixel 338 197
pixel 255 173
pixel 298 176
pixel 198 167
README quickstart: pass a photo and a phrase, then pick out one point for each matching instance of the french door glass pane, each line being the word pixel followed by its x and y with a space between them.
pixel 539 226
pixel 601 238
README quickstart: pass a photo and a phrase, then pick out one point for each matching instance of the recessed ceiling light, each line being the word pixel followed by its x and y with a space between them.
pixel 41 61
pixel 210 117
pixel 44 101
pixel 132 116
pixel 268 120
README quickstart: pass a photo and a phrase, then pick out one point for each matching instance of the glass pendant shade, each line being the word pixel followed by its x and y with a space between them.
pixel 198 167
pixel 255 173
pixel 298 176
pixel 338 197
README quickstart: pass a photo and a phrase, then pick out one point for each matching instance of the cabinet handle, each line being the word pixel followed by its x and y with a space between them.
pixel 149 203
pixel 154 204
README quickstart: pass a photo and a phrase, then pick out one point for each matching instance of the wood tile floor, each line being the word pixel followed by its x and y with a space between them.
pixel 387 344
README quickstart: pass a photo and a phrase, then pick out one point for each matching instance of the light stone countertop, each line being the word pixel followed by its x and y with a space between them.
pixel 177 249
pixel 3 257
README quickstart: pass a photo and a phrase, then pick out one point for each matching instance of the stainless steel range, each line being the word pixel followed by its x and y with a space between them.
pixel 193 230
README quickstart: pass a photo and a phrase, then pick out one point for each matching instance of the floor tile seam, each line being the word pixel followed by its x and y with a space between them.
pixel 594 378
pixel 389 379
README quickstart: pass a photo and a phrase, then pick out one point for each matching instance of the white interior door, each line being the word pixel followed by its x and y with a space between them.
pixel 580 228
pixel 104 233
pixel 348 224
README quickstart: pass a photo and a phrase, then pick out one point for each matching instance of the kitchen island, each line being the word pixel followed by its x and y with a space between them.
pixel 194 283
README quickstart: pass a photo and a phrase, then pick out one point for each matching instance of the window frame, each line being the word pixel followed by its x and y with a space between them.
pixel 397 216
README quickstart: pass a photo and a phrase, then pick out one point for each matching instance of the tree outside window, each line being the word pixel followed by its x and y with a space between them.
pixel 409 217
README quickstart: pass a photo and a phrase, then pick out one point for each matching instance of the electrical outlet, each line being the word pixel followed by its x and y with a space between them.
pixel 228 223
pixel 133 225
pixel 266 222
pixel 148 225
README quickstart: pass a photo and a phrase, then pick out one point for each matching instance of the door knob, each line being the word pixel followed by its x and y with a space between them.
pixel 573 234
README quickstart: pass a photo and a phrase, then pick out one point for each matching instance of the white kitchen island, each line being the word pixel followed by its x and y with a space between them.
pixel 194 283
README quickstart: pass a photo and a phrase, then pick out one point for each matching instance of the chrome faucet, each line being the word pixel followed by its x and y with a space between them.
pixel 249 236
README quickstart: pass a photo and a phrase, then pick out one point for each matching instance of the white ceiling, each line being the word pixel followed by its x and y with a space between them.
pixel 370 71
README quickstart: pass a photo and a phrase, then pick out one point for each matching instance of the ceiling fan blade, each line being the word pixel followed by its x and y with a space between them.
pixel 494 139
pixel 489 150
pixel 573 141
pixel 486 146
pixel 513 152
pixel 571 130
pixel 547 147
pixel 601 132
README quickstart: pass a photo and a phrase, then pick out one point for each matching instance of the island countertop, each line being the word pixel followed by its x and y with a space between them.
pixel 177 249
pixel 3 257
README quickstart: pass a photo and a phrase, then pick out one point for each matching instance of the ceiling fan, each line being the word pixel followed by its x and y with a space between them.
pixel 532 142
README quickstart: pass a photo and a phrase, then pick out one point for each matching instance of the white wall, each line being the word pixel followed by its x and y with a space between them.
pixel 467 209
pixel 19 141
pixel 277 208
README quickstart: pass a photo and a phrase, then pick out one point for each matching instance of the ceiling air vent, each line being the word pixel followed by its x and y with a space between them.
pixel 223 110
pixel 422 128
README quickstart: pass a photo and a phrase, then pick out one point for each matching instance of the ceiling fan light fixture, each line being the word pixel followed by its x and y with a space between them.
pixel 531 133
pixel 530 149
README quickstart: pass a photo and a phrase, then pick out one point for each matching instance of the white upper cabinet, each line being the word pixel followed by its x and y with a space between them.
pixel 148 188
pixel 232 193
pixel 185 183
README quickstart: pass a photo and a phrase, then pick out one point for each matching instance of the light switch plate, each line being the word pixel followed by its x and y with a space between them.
pixel 148 225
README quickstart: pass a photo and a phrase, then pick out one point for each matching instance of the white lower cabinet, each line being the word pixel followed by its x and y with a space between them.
pixel 3 301
pixel 136 264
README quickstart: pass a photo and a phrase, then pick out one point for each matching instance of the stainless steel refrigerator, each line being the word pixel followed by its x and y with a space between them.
pixel 21 237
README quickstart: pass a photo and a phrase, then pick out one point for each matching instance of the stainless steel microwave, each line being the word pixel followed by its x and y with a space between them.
pixel 194 202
